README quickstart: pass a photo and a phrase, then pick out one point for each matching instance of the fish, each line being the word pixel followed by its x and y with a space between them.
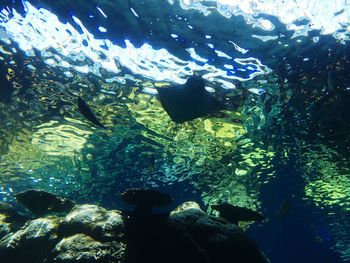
pixel 40 202
pixel 234 214
pixel 151 163
pixel 87 113
pixel 6 87
pixel 189 101
pixel 330 80
pixel 284 208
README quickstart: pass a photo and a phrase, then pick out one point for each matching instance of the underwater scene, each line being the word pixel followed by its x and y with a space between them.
pixel 175 131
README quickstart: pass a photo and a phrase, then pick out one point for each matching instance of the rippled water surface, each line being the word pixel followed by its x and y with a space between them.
pixel 281 68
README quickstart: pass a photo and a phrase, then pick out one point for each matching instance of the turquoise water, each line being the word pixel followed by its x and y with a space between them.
pixel 280 68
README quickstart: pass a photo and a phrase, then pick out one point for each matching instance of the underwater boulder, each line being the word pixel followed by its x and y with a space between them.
pixel 32 243
pixel 189 215
pixel 40 202
pixel 95 221
pixel 186 207
pixel 83 248
pixel 221 240
pixel 186 215
pixel 85 214
pixel 112 226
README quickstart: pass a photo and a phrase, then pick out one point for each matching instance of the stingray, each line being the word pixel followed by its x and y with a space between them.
pixel 87 112
pixel 189 101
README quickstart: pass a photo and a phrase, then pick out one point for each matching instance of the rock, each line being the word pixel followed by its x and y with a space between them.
pixel 83 248
pixel 41 202
pixel 31 243
pixel 186 206
pixel 112 226
pixel 221 240
pixel 187 214
pixel 90 233
pixel 95 221
pixel 85 215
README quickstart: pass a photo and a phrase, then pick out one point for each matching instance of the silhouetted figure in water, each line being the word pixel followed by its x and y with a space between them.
pixel 40 202
pixel 85 110
pixel 6 87
pixel 189 101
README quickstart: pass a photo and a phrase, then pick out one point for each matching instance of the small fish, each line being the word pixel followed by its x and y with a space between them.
pixel 151 163
pixel 330 81
pixel 87 113
pixel 321 232
pixel 234 214
pixel 284 208
pixel 6 86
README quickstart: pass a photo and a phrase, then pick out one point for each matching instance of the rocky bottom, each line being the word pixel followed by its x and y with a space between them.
pixel 90 233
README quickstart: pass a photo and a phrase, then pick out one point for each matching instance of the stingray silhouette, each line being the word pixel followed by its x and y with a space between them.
pixel 189 101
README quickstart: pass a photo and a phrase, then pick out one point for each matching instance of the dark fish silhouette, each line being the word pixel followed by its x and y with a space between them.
pixel 234 214
pixel 87 113
pixel 151 163
pixel 285 207
pixel 6 87
pixel 41 202
pixel 189 101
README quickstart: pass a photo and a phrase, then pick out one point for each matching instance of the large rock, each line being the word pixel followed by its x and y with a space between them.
pixel 95 221
pixel 222 241
pixel 32 243
pixel 83 248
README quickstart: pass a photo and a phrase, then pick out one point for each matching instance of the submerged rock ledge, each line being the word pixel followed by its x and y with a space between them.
pixel 90 233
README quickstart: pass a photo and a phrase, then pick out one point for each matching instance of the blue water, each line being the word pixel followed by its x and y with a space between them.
pixel 284 135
